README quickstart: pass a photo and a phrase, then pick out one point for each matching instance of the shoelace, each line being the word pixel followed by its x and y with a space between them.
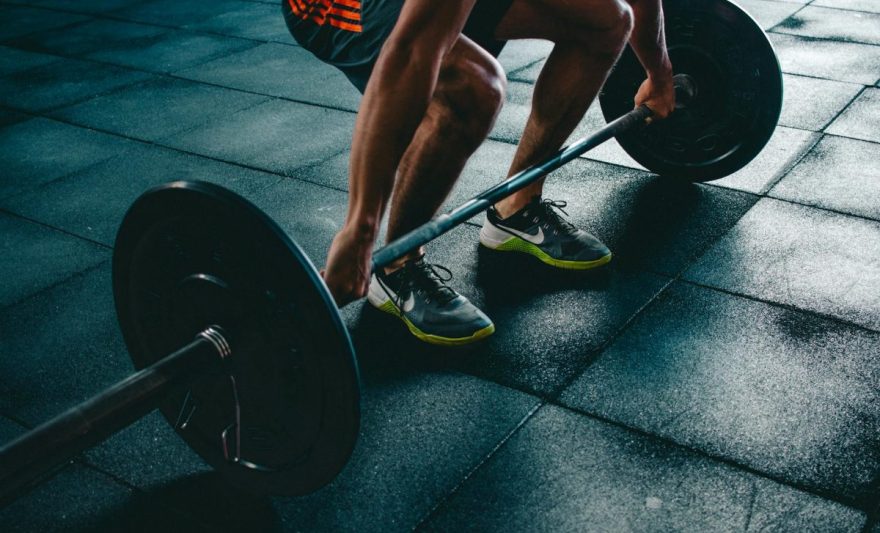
pixel 428 279
pixel 548 208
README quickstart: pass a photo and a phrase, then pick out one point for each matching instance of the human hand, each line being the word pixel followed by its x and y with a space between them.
pixel 658 94
pixel 348 269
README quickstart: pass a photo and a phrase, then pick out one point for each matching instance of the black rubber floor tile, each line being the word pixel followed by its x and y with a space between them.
pixel 249 20
pixel 158 108
pixel 649 223
pixel 25 244
pixel 768 13
pixel 63 83
pixel 92 203
pixel 174 12
pixel 38 151
pixel 812 103
pixel 549 324
pixel 801 256
pixel 89 36
pixel 515 113
pixel 16 21
pixel 839 174
pixel 784 392
pixel 86 6
pixel 523 52
pixel 15 60
pixel 420 435
pixel 77 499
pixel 820 58
pixel 61 347
pixel 82 499
pixel 857 5
pixel 310 214
pixel 8 118
pixel 278 136
pixel 280 70
pixel 565 472
pixel 171 51
pixel 783 151
pixel 149 455
pixel 839 24
pixel 862 119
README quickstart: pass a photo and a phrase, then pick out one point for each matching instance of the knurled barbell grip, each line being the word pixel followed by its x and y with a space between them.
pixel 38 453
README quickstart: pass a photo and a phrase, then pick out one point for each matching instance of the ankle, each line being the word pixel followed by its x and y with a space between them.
pixel 400 263
pixel 513 204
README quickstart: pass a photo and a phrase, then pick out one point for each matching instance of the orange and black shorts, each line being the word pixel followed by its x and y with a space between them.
pixel 348 34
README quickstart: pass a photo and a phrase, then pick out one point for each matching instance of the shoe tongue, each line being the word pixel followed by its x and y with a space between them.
pixel 431 280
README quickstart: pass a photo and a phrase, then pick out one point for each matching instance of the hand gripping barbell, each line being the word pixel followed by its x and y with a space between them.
pixel 262 380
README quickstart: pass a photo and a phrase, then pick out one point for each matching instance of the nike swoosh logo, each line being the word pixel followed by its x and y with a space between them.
pixel 407 305
pixel 537 238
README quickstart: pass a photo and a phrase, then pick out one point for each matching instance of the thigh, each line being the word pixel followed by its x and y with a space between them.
pixel 557 20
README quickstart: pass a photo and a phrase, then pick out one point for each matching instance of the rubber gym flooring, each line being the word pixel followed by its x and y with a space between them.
pixel 723 374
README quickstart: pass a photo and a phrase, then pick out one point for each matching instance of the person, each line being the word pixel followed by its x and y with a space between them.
pixel 432 89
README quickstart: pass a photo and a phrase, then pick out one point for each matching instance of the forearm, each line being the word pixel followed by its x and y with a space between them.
pixel 648 39
pixel 391 110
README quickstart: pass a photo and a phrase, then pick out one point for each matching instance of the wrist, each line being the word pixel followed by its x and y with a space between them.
pixel 663 73
pixel 361 231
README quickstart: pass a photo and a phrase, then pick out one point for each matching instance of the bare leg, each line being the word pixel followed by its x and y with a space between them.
pixel 589 38
pixel 461 114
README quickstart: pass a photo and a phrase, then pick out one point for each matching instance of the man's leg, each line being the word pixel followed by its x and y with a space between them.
pixel 589 37
pixel 469 94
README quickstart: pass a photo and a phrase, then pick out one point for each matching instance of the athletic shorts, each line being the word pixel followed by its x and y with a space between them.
pixel 349 34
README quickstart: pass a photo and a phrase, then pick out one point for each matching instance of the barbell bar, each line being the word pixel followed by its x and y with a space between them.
pixel 266 386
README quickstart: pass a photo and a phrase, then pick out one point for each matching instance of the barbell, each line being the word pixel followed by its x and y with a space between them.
pixel 262 379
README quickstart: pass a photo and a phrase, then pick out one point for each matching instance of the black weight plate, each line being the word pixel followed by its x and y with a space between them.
pixel 737 102
pixel 191 255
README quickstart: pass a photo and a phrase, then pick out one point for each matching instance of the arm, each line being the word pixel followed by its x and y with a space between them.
pixel 648 41
pixel 393 106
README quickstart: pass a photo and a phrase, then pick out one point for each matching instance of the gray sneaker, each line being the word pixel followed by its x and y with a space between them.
pixel 538 230
pixel 433 312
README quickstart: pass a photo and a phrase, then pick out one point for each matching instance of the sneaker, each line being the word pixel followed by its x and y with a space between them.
pixel 417 293
pixel 538 230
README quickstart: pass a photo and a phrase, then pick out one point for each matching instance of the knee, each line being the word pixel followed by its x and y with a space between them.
pixel 473 94
pixel 611 26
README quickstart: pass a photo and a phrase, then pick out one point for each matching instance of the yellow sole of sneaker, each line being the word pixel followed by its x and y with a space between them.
pixel 515 244
pixel 391 309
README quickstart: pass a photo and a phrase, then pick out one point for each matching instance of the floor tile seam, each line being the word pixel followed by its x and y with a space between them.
pixel 858 503
pixel 595 354
pixel 783 21
pixel 12 213
pixel 820 78
pixel 511 75
pixel 83 99
pixel 774 31
pixel 781 305
pixel 54 28
pixel 843 110
pixel 51 287
pixel 438 505
pixel 83 460
pixel 109 15
pixel 165 147
pixel 836 8
pixel 786 170
pixel 866 218
pixel 203 120
pixel 158 74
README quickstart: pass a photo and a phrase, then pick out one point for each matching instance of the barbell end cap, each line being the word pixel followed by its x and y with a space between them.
pixel 216 336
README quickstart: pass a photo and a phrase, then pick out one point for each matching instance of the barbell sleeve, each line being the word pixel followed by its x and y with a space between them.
pixel 24 462
pixel 446 222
